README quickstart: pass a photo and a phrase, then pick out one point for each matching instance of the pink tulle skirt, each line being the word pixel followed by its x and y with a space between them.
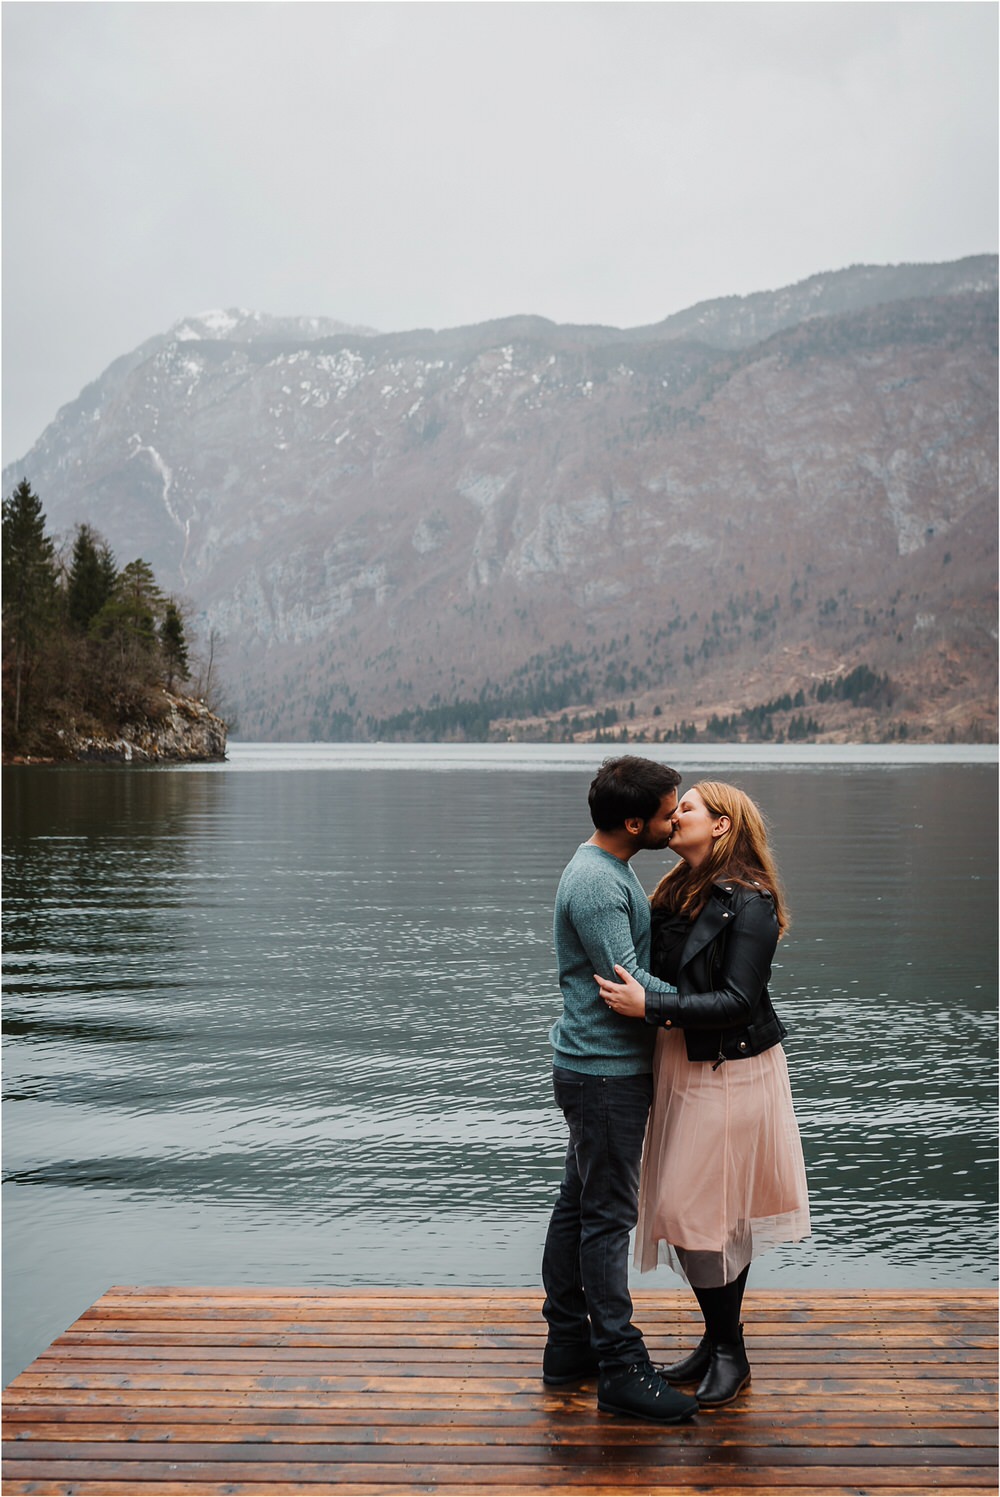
pixel 723 1177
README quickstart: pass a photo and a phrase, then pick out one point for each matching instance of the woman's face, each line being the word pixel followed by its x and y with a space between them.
pixel 695 829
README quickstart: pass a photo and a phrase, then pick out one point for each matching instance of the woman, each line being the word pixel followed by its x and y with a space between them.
pixel 722 1170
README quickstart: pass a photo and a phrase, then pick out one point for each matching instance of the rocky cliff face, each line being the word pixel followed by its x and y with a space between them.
pixel 173 730
pixel 741 501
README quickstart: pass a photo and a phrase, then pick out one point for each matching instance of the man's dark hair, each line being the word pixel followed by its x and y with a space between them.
pixel 626 787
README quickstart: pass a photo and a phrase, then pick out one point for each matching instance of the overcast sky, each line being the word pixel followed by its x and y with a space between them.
pixel 433 164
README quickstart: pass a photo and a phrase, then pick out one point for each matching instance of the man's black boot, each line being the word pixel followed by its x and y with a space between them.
pixel 574 1363
pixel 728 1374
pixel 640 1391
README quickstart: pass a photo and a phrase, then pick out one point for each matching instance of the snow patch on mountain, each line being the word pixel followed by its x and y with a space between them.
pixel 167 479
pixel 213 324
pixel 483 489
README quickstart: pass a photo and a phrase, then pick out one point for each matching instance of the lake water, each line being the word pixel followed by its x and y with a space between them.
pixel 283 1021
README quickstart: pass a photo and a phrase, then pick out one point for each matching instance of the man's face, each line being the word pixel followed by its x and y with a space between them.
pixel 657 830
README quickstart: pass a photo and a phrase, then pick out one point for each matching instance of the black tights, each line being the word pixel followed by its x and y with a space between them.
pixel 721 1308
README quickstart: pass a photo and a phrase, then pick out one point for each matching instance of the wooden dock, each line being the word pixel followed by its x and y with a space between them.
pixel 268 1391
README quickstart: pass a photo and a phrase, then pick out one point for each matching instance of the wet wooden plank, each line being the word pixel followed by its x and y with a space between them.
pixel 924 1361
pixel 761 1484
pixel 386 1407
pixel 941 1426
pixel 602 1476
pixel 177 1391
pixel 185 1441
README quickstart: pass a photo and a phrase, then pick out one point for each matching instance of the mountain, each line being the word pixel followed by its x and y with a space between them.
pixel 546 529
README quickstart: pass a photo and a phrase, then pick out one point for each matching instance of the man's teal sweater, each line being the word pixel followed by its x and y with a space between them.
pixel 601 917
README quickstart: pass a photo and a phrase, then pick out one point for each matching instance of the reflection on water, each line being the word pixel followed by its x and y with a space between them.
pixel 290 1027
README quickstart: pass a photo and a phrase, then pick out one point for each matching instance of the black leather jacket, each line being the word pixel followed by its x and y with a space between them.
pixel 720 965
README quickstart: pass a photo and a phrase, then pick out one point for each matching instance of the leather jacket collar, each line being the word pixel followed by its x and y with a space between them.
pixel 726 899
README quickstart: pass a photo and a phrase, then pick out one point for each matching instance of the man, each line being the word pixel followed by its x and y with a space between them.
pixel 603 1084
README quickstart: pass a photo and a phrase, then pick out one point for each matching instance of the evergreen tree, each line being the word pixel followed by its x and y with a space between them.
pixel 128 621
pixel 174 644
pixel 30 594
pixel 91 581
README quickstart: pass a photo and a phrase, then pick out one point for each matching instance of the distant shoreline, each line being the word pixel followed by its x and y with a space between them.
pixel 256 756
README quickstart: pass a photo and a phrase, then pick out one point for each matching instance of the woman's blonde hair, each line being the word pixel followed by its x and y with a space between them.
pixel 741 854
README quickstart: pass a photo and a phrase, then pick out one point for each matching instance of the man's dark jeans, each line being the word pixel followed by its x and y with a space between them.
pixel 585 1264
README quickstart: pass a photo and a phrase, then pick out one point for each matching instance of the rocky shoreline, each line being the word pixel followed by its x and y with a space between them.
pixel 173 730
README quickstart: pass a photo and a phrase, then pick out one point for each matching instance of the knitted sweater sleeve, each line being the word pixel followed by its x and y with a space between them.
pixel 603 920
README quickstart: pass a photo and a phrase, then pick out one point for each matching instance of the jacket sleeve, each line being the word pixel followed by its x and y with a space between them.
pixel 750 944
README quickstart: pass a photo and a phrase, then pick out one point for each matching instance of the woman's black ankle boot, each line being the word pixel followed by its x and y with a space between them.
pixel 693 1368
pixel 728 1374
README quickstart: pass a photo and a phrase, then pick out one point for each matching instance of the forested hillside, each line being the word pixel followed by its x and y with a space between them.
pixel 93 655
